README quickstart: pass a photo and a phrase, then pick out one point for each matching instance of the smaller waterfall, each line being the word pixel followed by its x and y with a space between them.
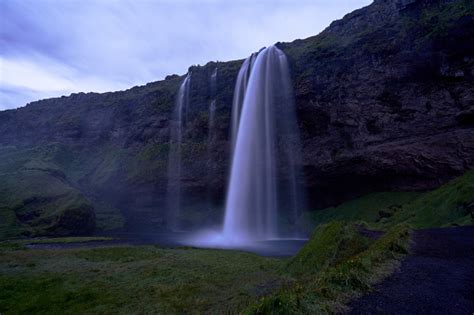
pixel 211 124
pixel 239 94
pixel 212 108
pixel 177 128
pixel 211 134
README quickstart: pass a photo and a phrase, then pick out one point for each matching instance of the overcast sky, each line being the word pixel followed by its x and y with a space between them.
pixel 56 47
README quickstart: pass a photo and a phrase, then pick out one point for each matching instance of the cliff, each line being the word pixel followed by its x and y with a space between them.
pixel 385 102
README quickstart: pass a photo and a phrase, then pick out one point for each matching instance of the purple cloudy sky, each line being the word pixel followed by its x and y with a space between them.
pixel 56 47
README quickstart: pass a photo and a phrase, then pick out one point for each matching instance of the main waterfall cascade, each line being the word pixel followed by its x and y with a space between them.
pixel 263 185
pixel 177 128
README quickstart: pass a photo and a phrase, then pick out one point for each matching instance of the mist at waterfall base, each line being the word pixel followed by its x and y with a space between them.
pixel 265 155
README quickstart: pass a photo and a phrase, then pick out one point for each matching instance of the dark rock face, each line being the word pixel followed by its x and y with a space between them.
pixel 384 97
pixel 387 100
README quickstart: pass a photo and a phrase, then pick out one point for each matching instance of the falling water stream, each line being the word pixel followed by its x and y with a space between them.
pixel 265 154
pixel 177 128
pixel 239 95
pixel 211 135
pixel 212 112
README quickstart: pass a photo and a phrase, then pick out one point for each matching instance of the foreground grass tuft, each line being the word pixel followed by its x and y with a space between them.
pixel 330 244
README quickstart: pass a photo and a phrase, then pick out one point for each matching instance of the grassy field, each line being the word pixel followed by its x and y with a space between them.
pixel 123 280
pixel 337 264
pixel 68 240
pixel 149 279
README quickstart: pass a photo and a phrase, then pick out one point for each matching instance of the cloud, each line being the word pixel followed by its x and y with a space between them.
pixel 57 47
pixel 25 80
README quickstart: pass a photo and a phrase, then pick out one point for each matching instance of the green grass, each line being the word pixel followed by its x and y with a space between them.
pixel 336 265
pixel 329 244
pixel 449 205
pixel 123 280
pixel 33 202
pixel 366 209
pixel 21 244
pixel 39 194
pixel 68 240
pixel 335 285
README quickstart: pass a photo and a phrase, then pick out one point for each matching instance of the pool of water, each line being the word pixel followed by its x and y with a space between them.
pixel 275 247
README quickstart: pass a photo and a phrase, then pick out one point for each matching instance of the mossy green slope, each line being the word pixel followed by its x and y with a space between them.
pixel 366 208
pixel 451 204
pixel 39 194
pixel 448 205
pixel 35 203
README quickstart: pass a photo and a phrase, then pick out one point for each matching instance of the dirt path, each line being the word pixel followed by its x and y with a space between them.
pixel 437 278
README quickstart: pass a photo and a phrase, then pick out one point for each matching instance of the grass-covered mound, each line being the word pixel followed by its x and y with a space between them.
pixel 339 280
pixel 450 204
pixel 330 244
pixel 34 202
pixel 39 195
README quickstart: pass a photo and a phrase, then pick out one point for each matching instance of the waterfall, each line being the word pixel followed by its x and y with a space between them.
pixel 264 185
pixel 211 133
pixel 266 120
pixel 177 128
pixel 239 94
pixel 212 109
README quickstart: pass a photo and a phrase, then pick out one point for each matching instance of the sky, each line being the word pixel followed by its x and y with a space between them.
pixel 51 48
